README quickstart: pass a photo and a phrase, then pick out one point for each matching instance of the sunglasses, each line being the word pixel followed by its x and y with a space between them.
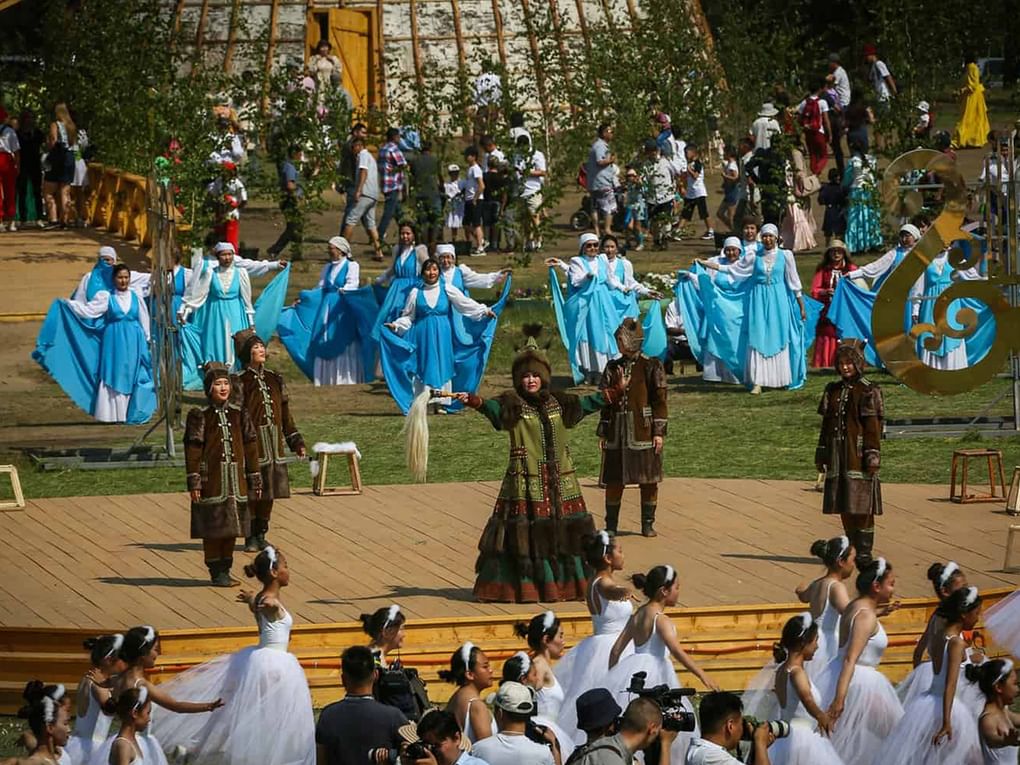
pixel 591 245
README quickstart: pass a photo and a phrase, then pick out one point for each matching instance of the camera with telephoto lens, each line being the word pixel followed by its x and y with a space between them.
pixel 416 750
pixel 535 732
pixel 778 728
pixel 670 701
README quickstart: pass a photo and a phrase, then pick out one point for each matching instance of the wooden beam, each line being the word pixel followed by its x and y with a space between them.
pixel 178 11
pixel 203 16
pixel 497 20
pixel 632 11
pixel 554 13
pixel 583 23
pixel 458 34
pixel 274 15
pixel 537 58
pixel 228 57
pixel 419 77
pixel 379 10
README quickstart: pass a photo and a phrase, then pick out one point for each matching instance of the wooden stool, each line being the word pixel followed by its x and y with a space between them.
pixel 1013 497
pixel 1009 569
pixel 319 487
pixel 995 494
pixel 19 498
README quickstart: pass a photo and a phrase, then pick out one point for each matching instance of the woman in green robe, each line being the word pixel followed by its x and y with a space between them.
pixel 531 548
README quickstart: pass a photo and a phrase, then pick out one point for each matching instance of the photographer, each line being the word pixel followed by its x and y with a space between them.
pixel 440 742
pixel 722 728
pixel 348 729
pixel 640 728
pixel 515 706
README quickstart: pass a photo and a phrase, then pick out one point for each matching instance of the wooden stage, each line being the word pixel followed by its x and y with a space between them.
pixel 112 562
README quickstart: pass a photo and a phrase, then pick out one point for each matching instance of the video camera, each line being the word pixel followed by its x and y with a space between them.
pixel 778 728
pixel 670 701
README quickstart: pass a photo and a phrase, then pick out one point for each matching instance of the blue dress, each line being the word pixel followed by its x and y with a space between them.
pixel 587 319
pixel 85 355
pixel 432 335
pixel 953 352
pixel 863 227
pixel 406 275
pixel 326 320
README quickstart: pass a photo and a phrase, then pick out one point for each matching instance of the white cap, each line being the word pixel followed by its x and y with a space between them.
pixel 454 168
pixel 516 698
pixel 732 241
pixel 224 247
pixel 341 244
pixel 922 106
pixel 769 228
pixel 446 249
pixel 584 239
pixel 108 253
pixel 910 228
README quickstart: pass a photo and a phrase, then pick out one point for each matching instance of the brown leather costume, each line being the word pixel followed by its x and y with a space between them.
pixel 849 447
pixel 221 456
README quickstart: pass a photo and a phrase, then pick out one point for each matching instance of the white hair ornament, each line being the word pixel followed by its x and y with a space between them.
pixel 947 573
pixel 465 654
pixel 391 615
pixel 548 619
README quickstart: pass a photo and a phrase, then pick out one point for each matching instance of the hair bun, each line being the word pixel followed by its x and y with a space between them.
pixel 249 570
pixel 521 629
pixel 779 653
pixel 89 643
pixel 935 571
pixel 972 672
pixel 639 581
pixel 818 548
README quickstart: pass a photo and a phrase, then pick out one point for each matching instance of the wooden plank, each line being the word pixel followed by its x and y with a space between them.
pixel 416 46
pixel 228 57
pixel 536 58
pixel 497 21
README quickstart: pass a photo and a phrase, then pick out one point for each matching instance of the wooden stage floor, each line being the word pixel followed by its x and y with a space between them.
pixel 108 562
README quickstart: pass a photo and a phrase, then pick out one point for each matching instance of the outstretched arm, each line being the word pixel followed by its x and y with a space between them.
pixel 667 632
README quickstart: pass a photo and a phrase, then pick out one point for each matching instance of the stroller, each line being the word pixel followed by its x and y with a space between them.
pixel 582 219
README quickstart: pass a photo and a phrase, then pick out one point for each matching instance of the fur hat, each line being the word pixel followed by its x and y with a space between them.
pixel 629 336
pixel 243 342
pixel 854 349
pixel 531 358
pixel 213 371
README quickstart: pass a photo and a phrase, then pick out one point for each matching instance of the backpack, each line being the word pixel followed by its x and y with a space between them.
pixel 402 688
pixel 811 117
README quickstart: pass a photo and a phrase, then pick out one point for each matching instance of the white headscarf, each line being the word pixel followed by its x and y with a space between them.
pixel 910 228
pixel 341 244
pixel 584 239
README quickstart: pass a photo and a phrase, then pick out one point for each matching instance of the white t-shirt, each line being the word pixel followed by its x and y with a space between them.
pixel 9 140
pixel 503 749
pixel 823 107
pixel 474 175
pixel 367 162
pixel 496 154
pixel 695 184
pixel 763 129
pixel 879 71
pixel 532 184
pixel 842 86
pixel 600 177
pixel 702 752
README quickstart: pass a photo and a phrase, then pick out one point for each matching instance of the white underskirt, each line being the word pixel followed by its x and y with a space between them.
pixel 714 369
pixel 955 359
pixel 769 371
pixel 345 369
pixel 590 361
pixel 111 406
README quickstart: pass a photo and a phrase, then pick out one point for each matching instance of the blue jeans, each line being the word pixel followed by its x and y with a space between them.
pixel 391 210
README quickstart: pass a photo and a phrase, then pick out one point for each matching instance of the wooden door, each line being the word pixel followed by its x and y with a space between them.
pixel 352 33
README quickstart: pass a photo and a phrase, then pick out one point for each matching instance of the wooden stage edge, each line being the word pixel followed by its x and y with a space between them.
pixel 74 567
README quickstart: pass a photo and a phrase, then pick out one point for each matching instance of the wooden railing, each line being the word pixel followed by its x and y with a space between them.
pixel 118 203
pixel 730 642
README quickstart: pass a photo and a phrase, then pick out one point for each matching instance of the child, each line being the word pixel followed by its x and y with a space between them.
pixel 998 725
pixel 228 198
pixel 730 187
pixel 48 722
pixel 270 715
pixel 454 192
pixel 222 457
pixel 385 626
pixel 471 672
pixel 636 215
pixel 544 634
pixel 695 193
pixel 922 128
pixel 828 597
pixel 263 395
pixel 134 710
pixel 474 193
pixel 833 196
pixel 92 724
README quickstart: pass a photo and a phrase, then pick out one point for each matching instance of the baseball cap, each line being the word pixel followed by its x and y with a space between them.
pixel 516 698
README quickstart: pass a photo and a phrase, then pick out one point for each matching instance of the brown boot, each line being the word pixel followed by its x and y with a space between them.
pixel 648 520
pixel 612 518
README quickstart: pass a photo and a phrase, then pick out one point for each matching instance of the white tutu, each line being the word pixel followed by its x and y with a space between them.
pixel 916 683
pixel 828 647
pixel 566 742
pixel 1003 623
pixel 79 747
pixel 148 745
pixel 266 716
pixel 909 743
pixel 804 746
pixel 585 666
pixel 870 712
pixel 659 671
pixel 759 698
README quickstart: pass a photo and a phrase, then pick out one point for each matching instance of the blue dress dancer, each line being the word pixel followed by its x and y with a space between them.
pixel 98 352
pixel 424 348
pixel 402 275
pixel 588 318
pixel 328 332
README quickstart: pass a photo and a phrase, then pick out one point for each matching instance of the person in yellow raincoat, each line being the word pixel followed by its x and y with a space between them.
pixel 972 129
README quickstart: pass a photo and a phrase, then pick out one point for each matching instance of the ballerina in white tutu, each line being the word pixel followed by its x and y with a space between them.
pixel 799 702
pixel 270 715
pixel 48 721
pixel 134 710
pixel 998 725
pixel 544 634
pixel 520 668
pixel 385 627
pixel 864 707
pixel 1002 621
pixel 655 640
pixel 610 604
pixel 936 727
pixel 828 597
pixel 945 580
pixel 140 651
pixel 471 672
pixel 92 722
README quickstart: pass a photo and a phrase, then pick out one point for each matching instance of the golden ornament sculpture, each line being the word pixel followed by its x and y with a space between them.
pixel 898 349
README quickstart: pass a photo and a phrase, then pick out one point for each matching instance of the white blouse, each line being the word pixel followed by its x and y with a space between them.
pixel 460 302
pixel 195 297
pixel 100 304
pixel 629 283
pixel 351 282
pixel 744 268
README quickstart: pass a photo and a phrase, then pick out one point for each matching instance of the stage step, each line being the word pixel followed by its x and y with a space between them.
pixel 731 643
